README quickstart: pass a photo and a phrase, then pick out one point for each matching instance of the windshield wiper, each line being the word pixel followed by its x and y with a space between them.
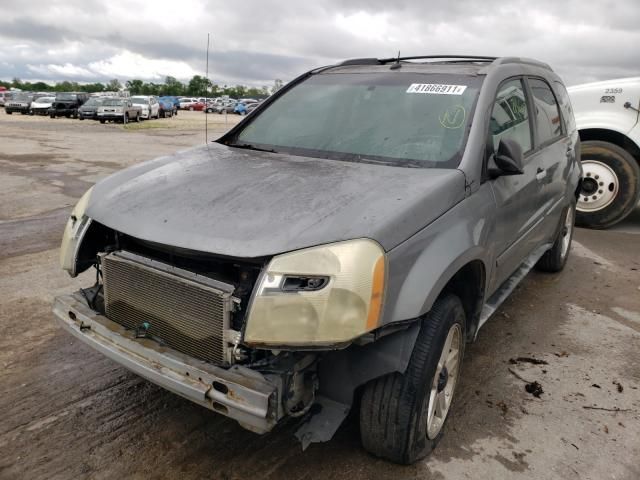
pixel 249 146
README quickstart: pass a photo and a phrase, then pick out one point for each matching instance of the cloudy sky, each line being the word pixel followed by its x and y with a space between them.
pixel 257 41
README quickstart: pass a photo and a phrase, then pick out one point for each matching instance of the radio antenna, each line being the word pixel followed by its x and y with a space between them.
pixel 206 98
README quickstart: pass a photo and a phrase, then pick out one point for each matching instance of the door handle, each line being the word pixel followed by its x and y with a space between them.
pixel 541 174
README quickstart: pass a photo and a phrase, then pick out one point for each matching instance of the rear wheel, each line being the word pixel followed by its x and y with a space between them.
pixel 402 416
pixel 555 258
pixel 102 121
pixel 125 119
pixel 8 112
pixel 610 185
pixel 191 109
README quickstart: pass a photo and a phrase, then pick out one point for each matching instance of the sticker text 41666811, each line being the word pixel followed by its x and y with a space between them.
pixel 436 89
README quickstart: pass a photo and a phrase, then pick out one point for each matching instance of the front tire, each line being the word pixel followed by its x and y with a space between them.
pixel 610 185
pixel 402 416
pixel 555 258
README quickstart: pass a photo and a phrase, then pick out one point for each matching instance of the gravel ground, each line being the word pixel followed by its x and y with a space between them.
pixel 68 412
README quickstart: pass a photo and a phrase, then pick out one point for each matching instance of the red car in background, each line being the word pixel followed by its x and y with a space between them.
pixel 198 106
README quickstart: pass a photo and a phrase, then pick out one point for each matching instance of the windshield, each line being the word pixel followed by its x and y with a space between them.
pixel 112 102
pixel 22 97
pixel 400 118
pixel 92 102
pixel 140 100
pixel 66 96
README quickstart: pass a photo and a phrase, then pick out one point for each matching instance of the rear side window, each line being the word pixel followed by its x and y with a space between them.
pixel 547 111
pixel 565 106
pixel 510 116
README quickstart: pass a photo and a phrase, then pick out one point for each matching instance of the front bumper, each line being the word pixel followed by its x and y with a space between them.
pixel 87 115
pixel 239 393
pixel 15 108
pixel 60 111
pixel 110 116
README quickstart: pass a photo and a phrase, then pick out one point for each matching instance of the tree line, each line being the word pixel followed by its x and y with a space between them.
pixel 198 86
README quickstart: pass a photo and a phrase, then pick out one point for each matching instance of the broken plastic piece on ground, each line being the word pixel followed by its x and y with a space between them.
pixel 534 388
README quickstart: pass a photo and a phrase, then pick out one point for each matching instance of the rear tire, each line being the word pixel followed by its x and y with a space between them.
pixel 9 113
pixel 399 418
pixel 102 121
pixel 555 258
pixel 610 185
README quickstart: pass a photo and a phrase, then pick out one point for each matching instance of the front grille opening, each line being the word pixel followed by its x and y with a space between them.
pixel 176 308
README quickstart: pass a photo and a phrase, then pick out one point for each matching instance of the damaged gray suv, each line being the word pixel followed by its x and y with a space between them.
pixel 341 244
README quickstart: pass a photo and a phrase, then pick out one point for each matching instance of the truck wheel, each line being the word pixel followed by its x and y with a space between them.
pixel 402 415
pixel 610 185
pixel 555 258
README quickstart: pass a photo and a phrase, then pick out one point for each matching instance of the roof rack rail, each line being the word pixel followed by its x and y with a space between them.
pixel 361 61
pixel 473 58
pixel 453 58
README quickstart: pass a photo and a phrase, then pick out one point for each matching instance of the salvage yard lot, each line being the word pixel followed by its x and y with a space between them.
pixel 68 412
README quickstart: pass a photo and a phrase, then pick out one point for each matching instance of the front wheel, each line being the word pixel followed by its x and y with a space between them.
pixel 402 416
pixel 102 121
pixel 191 109
pixel 610 187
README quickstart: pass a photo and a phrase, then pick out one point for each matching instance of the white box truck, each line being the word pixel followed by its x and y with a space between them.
pixel 607 115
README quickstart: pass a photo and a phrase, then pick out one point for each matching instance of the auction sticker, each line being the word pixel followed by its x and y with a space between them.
pixel 436 89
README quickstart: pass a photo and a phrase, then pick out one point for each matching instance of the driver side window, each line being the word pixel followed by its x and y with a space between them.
pixel 510 116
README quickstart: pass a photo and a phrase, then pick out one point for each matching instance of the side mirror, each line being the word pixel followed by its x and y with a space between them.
pixel 507 160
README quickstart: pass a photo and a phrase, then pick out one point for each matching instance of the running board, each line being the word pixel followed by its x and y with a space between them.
pixel 509 286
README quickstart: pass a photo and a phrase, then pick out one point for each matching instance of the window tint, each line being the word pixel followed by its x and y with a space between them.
pixel 547 111
pixel 510 116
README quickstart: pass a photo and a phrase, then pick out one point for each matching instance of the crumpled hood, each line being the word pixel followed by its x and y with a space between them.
pixel 245 203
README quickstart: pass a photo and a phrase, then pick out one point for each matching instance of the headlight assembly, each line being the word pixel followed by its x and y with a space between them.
pixel 74 231
pixel 318 296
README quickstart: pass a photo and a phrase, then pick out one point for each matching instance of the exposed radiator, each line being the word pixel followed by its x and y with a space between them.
pixel 180 309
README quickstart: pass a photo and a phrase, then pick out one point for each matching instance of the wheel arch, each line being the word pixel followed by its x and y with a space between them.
pixel 611 136
pixel 469 285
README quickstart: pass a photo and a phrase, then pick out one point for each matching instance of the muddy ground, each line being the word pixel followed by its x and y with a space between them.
pixel 68 412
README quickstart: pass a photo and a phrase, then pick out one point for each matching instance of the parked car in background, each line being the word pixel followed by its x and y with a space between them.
pixel 240 108
pixel 67 104
pixel 226 107
pixel 607 119
pixel 119 110
pixel 198 107
pixel 306 262
pixel 174 100
pixel 4 97
pixel 149 106
pixel 41 105
pixel 186 102
pixel 166 107
pixel 252 106
pixel 89 110
pixel 19 103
